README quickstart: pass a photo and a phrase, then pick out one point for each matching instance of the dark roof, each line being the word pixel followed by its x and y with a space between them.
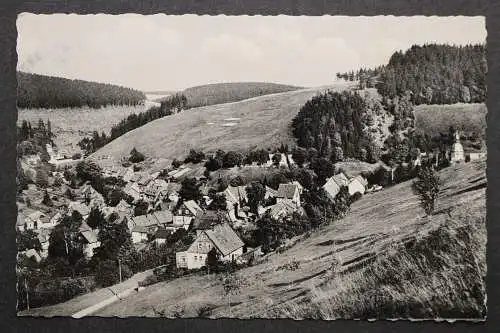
pixel 287 190
pixel 162 233
pixel 224 238
pixel 208 219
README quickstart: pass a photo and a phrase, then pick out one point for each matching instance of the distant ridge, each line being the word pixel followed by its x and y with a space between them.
pixel 220 93
pixel 42 91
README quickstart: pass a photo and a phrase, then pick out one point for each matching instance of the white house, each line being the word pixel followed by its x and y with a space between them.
pixel 83 209
pixel 222 237
pixel 281 209
pixel 357 185
pixel 89 240
pixel 476 156
pixel 35 220
pixel 334 184
pixel 186 213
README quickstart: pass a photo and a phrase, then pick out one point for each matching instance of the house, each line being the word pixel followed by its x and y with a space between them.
pixel 90 241
pixel 357 185
pixel 133 190
pixel 283 161
pixel 334 184
pixel 144 226
pixel 178 173
pixel 161 236
pixel 208 219
pixel 476 156
pixel 35 220
pixel 21 222
pixel 43 237
pixel 289 193
pixel 236 197
pixel 83 209
pixel 222 237
pixel 186 212
pixel 281 209
pixel 270 193
pixel 52 220
pixel 156 190
pixel 251 255
pixel 33 254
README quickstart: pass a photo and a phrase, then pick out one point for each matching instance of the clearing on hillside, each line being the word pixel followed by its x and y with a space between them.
pixel 70 125
pixel 262 122
pixel 435 119
pixel 219 93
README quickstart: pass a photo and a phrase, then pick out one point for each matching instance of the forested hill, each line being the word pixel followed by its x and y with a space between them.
pixel 437 74
pixel 41 91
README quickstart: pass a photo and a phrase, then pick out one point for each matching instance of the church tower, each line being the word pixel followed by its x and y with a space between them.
pixel 457 150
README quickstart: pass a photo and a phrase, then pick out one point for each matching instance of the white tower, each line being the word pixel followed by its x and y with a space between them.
pixel 457 150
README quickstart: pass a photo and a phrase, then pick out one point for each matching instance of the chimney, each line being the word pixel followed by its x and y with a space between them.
pixel 236 210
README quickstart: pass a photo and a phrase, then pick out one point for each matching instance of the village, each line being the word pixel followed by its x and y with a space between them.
pixel 163 210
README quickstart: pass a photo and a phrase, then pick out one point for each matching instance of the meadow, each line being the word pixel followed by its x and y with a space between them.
pixel 70 125
pixel 262 122
pixel 435 119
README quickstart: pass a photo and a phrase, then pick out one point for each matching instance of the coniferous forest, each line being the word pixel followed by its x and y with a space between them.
pixel 40 91
pixel 432 73
pixel 437 74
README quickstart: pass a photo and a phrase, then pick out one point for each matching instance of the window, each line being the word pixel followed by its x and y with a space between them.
pixel 195 258
pixel 200 246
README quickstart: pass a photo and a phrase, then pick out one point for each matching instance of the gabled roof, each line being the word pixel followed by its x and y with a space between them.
pixel 235 194
pixel 224 238
pixel 341 179
pixel 192 206
pixel 79 207
pixel 90 236
pixel 163 216
pixel 287 206
pixel 141 229
pixel 360 179
pixel 287 191
pixel 145 220
pixel 36 215
pixel 271 192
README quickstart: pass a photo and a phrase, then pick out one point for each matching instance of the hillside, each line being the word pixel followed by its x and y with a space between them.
pixel 377 226
pixel 435 119
pixel 257 122
pixel 436 74
pixel 348 267
pixel 70 125
pixel 41 91
pixel 219 93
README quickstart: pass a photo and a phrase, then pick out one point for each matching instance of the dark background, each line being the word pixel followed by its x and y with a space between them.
pixel 8 115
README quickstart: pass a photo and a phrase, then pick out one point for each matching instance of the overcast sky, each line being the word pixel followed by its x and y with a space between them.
pixel 161 52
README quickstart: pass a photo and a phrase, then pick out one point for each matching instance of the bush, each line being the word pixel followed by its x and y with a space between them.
pixel 76 156
pixel 107 273
pixel 356 196
pixel 135 156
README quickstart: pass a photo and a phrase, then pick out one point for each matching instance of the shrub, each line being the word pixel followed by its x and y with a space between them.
pixel 76 156
pixel 135 156
pixel 427 188
pixel 107 273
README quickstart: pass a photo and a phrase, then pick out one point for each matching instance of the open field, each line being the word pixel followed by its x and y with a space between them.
pixel 219 93
pixel 435 119
pixel 72 124
pixel 257 122
pixel 341 266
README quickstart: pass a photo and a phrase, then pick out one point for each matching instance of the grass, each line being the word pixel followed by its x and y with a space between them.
pixel 437 275
pixel 348 268
pixel 72 125
pixel 219 93
pixel 262 122
pixel 435 119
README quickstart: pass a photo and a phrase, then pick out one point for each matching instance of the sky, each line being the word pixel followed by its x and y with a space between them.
pixel 162 53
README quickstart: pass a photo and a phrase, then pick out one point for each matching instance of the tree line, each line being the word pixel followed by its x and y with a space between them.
pixel 41 91
pixel 171 105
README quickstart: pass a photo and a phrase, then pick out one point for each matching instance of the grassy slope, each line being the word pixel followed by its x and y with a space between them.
pixel 263 122
pixel 218 93
pixel 377 224
pixel 433 119
pixel 72 125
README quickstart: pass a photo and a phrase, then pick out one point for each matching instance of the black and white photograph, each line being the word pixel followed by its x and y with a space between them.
pixel 247 167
